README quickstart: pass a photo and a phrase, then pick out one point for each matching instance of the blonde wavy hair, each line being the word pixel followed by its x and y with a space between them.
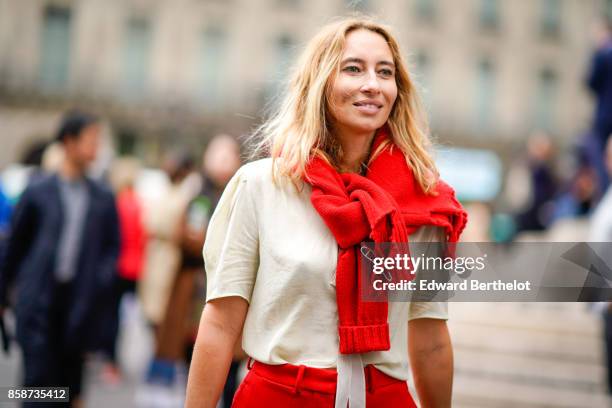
pixel 300 127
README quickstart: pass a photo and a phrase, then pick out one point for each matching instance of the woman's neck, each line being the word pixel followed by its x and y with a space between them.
pixel 355 150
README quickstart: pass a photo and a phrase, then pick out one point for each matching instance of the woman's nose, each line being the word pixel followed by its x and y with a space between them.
pixel 371 83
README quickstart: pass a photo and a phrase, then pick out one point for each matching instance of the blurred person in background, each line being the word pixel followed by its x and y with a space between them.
pixel 349 162
pixel 6 209
pixel 599 80
pixel 579 195
pixel 163 262
pixel 601 231
pixel 543 184
pixel 33 159
pixel 131 256
pixel 39 159
pixel 61 255
pixel 479 228
pixel 52 158
pixel 43 158
pixel 220 162
pixel 5 218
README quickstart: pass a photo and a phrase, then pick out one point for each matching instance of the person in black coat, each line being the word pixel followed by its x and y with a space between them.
pixel 599 80
pixel 61 259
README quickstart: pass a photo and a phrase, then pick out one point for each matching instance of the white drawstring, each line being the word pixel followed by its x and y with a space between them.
pixel 351 381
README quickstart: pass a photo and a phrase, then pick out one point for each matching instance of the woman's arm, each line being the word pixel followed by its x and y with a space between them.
pixel 431 358
pixel 220 328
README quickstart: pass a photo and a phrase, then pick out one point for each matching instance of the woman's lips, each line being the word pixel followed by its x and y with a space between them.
pixel 368 108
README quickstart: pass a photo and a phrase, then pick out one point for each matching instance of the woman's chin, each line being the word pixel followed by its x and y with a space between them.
pixel 360 125
pixel 368 127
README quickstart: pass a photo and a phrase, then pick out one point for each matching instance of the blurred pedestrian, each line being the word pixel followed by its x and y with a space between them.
pixel 579 195
pixel 543 184
pixel 163 261
pixel 5 212
pixel 33 161
pixel 601 232
pixel 599 80
pixel 220 161
pixel 5 218
pixel 131 221
pixel 350 161
pixel 62 254
pixel 129 266
pixel 52 158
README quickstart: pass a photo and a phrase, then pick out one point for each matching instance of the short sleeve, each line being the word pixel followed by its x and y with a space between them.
pixel 430 310
pixel 231 248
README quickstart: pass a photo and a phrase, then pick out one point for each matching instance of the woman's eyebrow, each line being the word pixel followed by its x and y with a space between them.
pixel 361 61
pixel 388 63
pixel 353 59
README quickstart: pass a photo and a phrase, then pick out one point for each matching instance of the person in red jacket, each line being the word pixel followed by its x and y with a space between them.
pixel 133 234
pixel 131 255
pixel 349 162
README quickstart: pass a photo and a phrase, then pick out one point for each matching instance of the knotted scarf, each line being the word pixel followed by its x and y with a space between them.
pixel 385 206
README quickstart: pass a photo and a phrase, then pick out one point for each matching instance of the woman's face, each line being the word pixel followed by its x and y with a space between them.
pixel 362 94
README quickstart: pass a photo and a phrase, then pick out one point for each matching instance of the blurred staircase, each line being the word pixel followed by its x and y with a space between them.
pixel 530 355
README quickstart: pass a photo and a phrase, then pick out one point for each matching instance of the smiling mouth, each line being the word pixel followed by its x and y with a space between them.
pixel 371 105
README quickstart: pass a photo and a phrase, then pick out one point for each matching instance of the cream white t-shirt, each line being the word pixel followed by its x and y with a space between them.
pixel 268 245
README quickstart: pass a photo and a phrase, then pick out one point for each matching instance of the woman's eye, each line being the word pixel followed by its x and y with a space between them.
pixel 386 72
pixel 351 68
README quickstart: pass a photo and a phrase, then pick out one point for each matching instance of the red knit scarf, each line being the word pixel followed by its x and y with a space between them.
pixel 386 206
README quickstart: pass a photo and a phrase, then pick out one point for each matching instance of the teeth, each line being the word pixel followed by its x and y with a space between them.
pixel 368 105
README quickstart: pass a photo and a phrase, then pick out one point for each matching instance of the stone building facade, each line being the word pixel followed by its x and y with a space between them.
pixel 490 71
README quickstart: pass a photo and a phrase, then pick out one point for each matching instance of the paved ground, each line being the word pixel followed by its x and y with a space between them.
pixel 527 355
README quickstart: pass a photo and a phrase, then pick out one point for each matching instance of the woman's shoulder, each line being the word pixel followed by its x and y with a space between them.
pixel 258 180
pixel 260 175
pixel 251 179
pixel 257 171
pixel 255 176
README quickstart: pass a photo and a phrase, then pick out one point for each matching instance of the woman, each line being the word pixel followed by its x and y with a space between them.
pixel 162 266
pixel 349 163
pixel 123 175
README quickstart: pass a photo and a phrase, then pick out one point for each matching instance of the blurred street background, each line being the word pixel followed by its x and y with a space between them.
pixel 515 100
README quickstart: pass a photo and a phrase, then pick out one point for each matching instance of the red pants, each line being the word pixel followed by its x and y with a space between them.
pixel 267 386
